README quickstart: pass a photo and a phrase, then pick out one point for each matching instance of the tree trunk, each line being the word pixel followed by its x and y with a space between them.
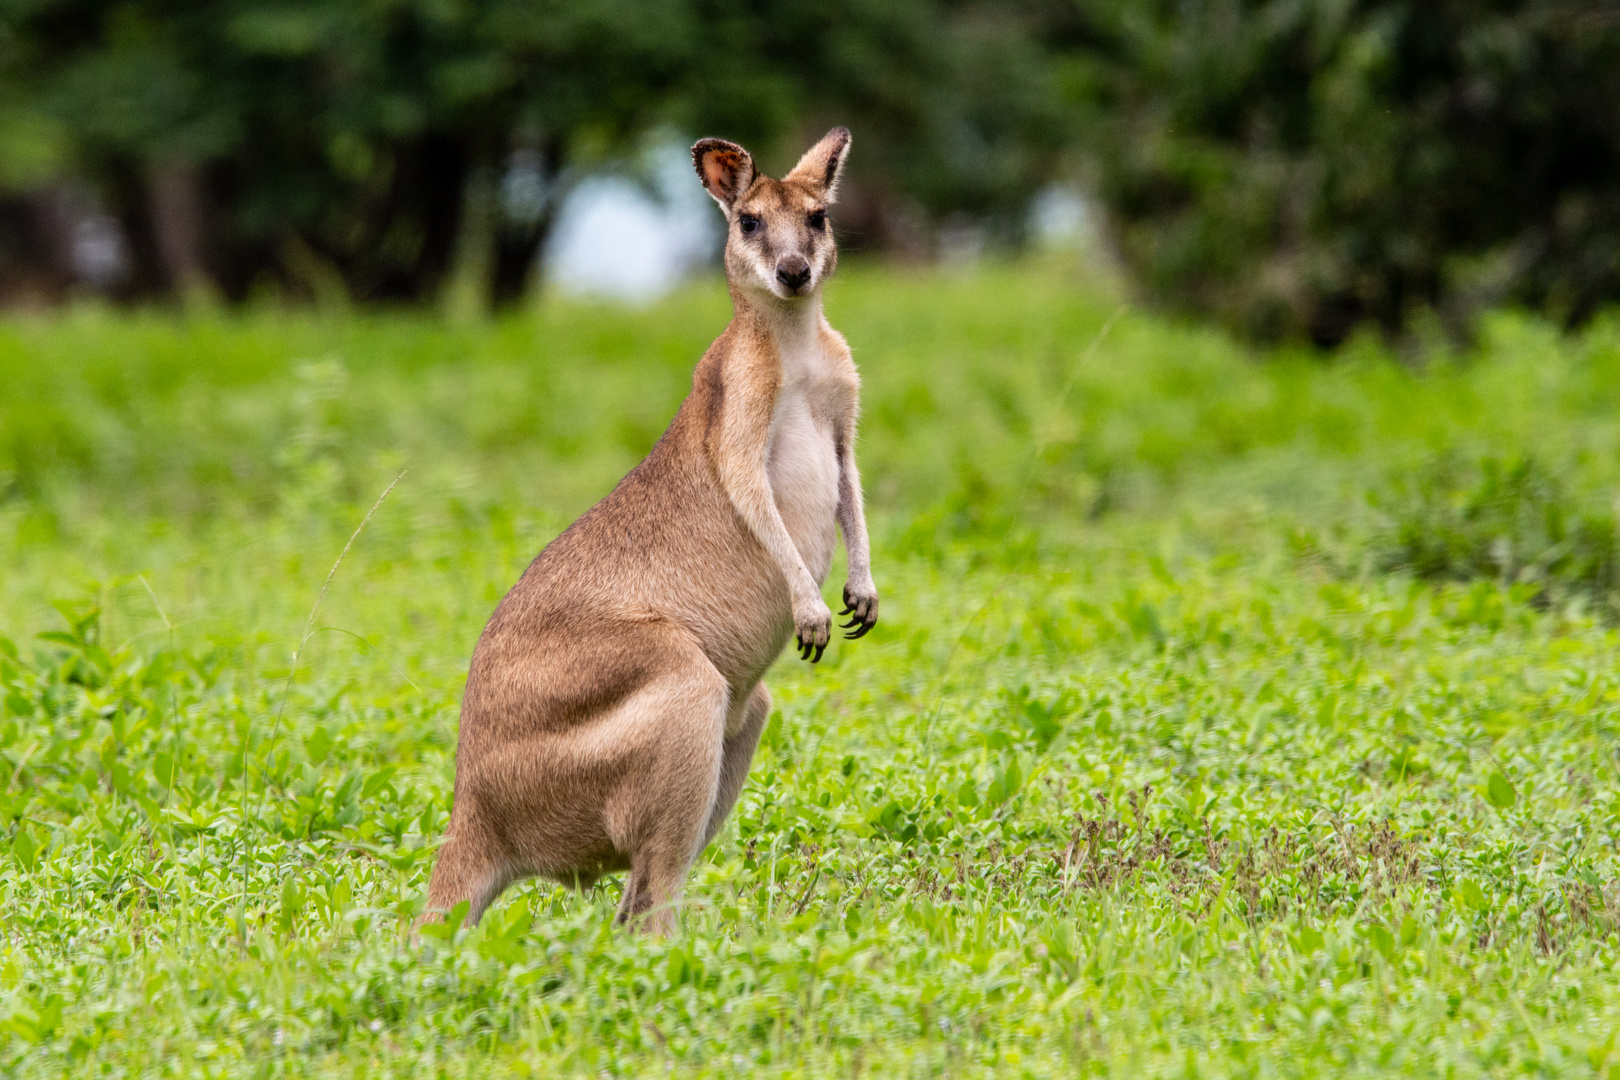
pixel 526 223
pixel 175 192
pixel 466 294
pixel 517 259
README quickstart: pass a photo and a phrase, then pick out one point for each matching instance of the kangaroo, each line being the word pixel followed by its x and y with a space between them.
pixel 614 700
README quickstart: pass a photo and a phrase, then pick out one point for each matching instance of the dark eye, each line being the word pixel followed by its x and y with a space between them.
pixel 749 224
pixel 818 220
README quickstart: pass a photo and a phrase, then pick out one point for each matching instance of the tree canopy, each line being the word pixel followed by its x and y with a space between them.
pixel 1293 167
pixel 1301 166
pixel 365 143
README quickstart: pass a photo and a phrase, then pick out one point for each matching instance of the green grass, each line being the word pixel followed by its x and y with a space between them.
pixel 1162 762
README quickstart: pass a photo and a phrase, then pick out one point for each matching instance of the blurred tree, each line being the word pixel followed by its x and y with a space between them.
pixel 956 107
pixel 334 143
pixel 1291 166
pixel 1299 166
pixel 397 149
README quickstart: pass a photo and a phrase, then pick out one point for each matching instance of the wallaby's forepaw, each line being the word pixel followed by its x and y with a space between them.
pixel 862 603
pixel 812 631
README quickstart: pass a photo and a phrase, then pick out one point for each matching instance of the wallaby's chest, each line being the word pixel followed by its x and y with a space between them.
pixel 802 458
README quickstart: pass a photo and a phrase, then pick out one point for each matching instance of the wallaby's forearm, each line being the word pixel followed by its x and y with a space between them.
pixel 860 594
pixel 738 452
pixel 852 516
pixel 749 488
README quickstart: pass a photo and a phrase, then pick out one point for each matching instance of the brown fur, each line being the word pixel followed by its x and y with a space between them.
pixel 614 700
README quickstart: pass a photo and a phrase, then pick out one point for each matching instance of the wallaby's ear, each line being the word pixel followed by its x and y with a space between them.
pixel 823 162
pixel 725 168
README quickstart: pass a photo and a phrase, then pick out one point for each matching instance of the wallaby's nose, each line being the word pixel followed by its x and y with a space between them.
pixel 793 271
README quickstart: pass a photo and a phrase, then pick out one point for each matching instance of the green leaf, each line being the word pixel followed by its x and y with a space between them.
pixel 292 903
pixel 1327 710
pixel 164 770
pixel 1499 793
pixel 39 1023
pixel 23 846
pixel 1382 940
pixel 398 858
pixel 1005 785
pixel 190 822
pixel 772 736
pixel 967 795
pixel 683 968
pixel 889 818
pixel 377 781
pixel 98 656
pixel 446 930
pixel 318 745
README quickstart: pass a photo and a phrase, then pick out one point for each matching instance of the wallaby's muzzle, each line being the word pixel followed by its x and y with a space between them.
pixel 793 272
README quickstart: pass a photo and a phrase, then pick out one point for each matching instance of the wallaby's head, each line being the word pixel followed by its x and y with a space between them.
pixel 778 240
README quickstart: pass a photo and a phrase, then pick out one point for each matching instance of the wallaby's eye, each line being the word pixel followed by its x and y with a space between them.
pixel 748 223
pixel 818 220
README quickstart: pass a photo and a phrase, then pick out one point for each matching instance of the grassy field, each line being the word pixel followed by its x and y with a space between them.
pixel 1230 715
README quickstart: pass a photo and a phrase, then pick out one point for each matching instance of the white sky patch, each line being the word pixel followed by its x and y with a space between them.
pixel 1061 216
pixel 616 240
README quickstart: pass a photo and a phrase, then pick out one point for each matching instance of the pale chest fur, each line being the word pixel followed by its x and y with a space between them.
pixel 817 390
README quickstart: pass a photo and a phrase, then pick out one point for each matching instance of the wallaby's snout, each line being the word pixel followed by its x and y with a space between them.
pixel 793 271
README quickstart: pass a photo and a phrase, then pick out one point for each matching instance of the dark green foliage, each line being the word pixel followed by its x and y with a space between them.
pixel 332 140
pixel 1506 519
pixel 957 107
pixel 1298 166
pixel 331 147
pixel 1294 167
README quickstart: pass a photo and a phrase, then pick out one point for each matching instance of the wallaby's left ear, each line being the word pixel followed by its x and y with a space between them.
pixel 823 162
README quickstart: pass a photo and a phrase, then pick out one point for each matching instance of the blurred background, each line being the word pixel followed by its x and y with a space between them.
pixel 1292 168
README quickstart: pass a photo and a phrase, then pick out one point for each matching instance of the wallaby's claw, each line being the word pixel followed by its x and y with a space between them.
pixel 864 611
pixel 812 630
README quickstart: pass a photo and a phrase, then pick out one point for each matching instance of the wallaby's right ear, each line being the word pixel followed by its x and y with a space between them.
pixel 726 169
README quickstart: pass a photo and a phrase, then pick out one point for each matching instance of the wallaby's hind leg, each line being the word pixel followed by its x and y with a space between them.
pixel 737 753
pixel 635 899
pixel 660 813
pixel 736 757
pixel 653 888
pixel 470 867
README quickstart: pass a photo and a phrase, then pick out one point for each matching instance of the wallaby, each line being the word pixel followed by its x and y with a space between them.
pixel 614 700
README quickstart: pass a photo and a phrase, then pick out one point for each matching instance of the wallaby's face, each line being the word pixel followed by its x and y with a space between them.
pixel 778 238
